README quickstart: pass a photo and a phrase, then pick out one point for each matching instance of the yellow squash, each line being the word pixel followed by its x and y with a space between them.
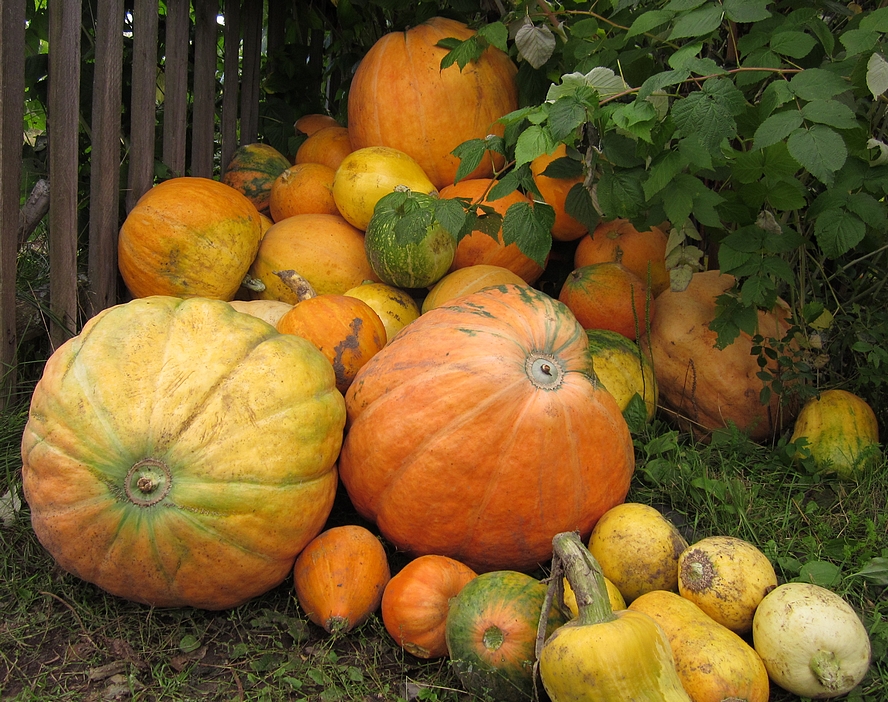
pixel 601 655
pixel 713 662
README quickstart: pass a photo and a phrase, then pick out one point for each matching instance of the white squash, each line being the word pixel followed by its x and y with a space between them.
pixel 811 641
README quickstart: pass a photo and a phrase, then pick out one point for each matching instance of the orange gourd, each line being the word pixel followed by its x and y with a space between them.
pixel 328 146
pixel 607 296
pixel 642 252
pixel 554 192
pixel 345 329
pixel 465 281
pixel 305 188
pixel 312 122
pixel 480 248
pixel 340 576
pixel 486 413
pixel 416 601
pixel 400 97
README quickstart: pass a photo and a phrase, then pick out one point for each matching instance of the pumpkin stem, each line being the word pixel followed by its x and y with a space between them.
pixel 585 578
pixel 251 283
pixel 148 482
pixel 827 670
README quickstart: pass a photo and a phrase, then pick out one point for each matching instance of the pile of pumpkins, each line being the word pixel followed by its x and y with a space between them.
pixel 186 447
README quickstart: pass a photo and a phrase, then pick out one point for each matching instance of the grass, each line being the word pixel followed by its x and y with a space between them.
pixel 63 639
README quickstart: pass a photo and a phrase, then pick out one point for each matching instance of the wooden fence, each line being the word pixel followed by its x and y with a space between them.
pixel 192 35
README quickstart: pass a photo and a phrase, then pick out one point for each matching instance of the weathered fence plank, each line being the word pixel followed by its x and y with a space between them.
pixel 12 90
pixel 63 129
pixel 251 18
pixel 104 182
pixel 203 128
pixel 231 80
pixel 144 96
pixel 175 82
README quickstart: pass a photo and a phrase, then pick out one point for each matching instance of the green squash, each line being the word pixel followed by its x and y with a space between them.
pixel 252 170
pixel 491 632
pixel 181 453
pixel 406 245
pixel 841 432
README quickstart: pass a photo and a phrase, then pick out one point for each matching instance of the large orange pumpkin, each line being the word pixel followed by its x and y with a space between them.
pixel 188 237
pixel 480 432
pixel 701 386
pixel 400 97
pixel 162 464
pixel 481 248
pixel 324 249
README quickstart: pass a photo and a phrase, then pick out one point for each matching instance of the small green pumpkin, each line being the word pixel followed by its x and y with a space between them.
pixel 841 433
pixel 491 633
pixel 406 245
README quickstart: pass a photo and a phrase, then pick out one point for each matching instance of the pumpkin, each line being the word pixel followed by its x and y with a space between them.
pixel 308 124
pixel 464 281
pixel 555 191
pixel 726 577
pixel 703 387
pixel 324 249
pixel 252 170
pixel 416 601
pixel 481 248
pixel 484 411
pixel 491 632
pixel 345 329
pixel 395 307
pixel 713 663
pixel 267 310
pixel 642 252
pixel 162 466
pixel 340 576
pixel 406 245
pixel 601 655
pixel 841 433
pixel 368 174
pixel 637 548
pixel 188 237
pixel 327 146
pixel 623 369
pixel 400 97
pixel 607 296
pixel 305 188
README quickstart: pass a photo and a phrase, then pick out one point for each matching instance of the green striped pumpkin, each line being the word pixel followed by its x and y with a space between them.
pixel 252 170
pixel 406 245
pixel 622 369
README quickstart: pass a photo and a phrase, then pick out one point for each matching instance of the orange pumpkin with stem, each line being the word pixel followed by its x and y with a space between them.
pixel 607 296
pixel 479 247
pixel 400 97
pixel 345 329
pixel 416 601
pixel 339 577
pixel 642 252
pixel 485 411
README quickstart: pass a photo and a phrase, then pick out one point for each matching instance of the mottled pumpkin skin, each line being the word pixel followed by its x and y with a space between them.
pixel 841 431
pixel 491 632
pixel 484 412
pixel 252 171
pixel 701 386
pixel 623 369
pixel 400 97
pixel 188 237
pixel 174 470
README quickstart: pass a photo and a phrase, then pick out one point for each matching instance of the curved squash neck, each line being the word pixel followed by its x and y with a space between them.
pixel 585 577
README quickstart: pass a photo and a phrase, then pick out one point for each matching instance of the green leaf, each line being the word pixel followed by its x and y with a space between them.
pixel 697 23
pixel 820 573
pixel 831 113
pixel 566 115
pixel 837 231
pixel 870 210
pixel 663 171
pixel 877 74
pixel 658 81
pixel 578 204
pixel 636 118
pixel 747 10
pixel 787 195
pixel 461 53
pixel 647 21
pixel 709 113
pixel 470 154
pixel 530 228
pixel 683 5
pixel 876 571
pixel 620 194
pixel 859 41
pixel 793 44
pixel 496 34
pixel 532 142
pixel 817 84
pixel 535 44
pixel 681 56
pixel 876 21
pixel 776 128
pixel 678 198
pixel 451 214
pixel 819 149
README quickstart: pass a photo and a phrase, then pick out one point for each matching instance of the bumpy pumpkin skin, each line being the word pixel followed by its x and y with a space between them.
pixel 188 237
pixel 166 468
pixel 484 412
pixel 491 632
pixel 400 97
pixel 842 432
pixel 704 388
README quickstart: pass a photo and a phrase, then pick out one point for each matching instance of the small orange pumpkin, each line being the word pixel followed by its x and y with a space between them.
pixel 554 192
pixel 312 122
pixel 305 188
pixel 479 247
pixel 340 576
pixel 607 296
pixel 345 329
pixel 642 252
pixel 465 281
pixel 328 145
pixel 252 170
pixel 416 601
